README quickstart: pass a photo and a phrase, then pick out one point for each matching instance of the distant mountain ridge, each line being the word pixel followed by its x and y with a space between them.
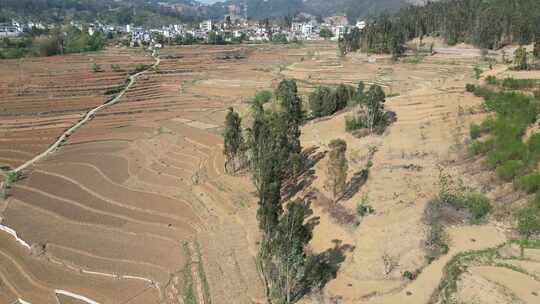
pixel 259 9
pixel 155 12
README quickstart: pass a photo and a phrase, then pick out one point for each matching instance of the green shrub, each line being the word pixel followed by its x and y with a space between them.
pixel 505 150
pixel 475 131
pixel 529 183
pixel 343 95
pixel 363 210
pixel 96 68
pixel 476 203
pixel 518 84
pixel 484 92
pixel 510 169
pixel 488 125
pixel 477 72
pixel 411 276
pixel 263 97
pixel 492 80
pixel 537 94
pixel 354 123
pixel 481 147
pixel 528 219
pixel 322 102
pixel 513 106
pixel 469 87
pixel 534 144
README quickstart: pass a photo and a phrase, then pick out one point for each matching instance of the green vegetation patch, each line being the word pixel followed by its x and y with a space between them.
pixel 519 84
pixel 512 159
pixel 188 294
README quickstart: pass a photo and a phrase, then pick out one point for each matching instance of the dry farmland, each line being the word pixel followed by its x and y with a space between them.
pixel 135 206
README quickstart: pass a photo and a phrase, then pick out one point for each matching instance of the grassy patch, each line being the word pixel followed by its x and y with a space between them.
pixel 188 294
pixel 9 178
pixel 202 277
pixel 518 84
pixel 417 59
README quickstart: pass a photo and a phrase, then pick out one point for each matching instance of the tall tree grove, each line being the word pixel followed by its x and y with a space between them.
pixel 273 140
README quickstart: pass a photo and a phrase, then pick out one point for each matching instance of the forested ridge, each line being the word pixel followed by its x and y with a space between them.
pixel 151 12
pixel 137 12
pixel 488 24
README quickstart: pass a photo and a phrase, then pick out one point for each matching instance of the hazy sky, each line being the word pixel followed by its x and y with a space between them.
pixel 209 1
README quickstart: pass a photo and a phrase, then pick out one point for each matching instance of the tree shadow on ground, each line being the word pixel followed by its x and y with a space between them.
pixel 323 267
pixel 354 185
pixel 305 179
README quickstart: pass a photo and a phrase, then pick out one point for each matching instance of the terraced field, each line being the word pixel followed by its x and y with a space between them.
pixel 41 97
pixel 136 202
pixel 135 206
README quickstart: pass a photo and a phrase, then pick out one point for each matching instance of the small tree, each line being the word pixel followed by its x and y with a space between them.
pixel 343 95
pixel 287 95
pixel 375 99
pixel 536 50
pixel 326 33
pixel 520 59
pixel 263 97
pixel 96 68
pixel 528 218
pixel 233 141
pixel 397 48
pixel 337 167
pixel 287 266
pixel 360 91
pixel 322 102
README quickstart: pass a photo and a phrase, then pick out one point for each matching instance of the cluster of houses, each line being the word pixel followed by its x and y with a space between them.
pixel 304 27
pixel 230 29
pixel 16 29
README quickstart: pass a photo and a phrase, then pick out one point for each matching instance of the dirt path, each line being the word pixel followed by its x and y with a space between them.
pixel 86 118
pixel 421 290
pixel 523 286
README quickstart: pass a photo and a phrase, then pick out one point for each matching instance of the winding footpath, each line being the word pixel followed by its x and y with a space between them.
pixel 86 118
pixel 52 148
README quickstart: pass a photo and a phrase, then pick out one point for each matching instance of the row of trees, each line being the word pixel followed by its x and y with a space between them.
pixel 369 106
pixel 369 112
pixel 326 101
pixel 54 42
pixel 272 149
